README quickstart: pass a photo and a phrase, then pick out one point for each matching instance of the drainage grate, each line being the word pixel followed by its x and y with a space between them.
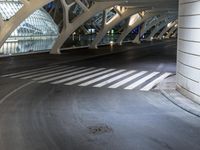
pixel 99 129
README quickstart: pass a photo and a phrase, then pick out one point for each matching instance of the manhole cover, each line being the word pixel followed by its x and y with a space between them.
pixel 99 129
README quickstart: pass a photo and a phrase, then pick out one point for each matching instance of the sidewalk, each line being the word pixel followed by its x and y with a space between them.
pixel 168 89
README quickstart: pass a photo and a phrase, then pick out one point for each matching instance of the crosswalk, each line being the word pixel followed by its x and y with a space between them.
pixel 94 77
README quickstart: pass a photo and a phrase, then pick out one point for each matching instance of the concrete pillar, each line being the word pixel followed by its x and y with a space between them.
pixel 188 59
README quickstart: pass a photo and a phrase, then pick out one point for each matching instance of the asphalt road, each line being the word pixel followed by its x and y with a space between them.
pixel 46 116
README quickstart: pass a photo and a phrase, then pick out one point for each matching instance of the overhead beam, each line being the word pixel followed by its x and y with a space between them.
pixel 82 5
pixel 139 21
pixel 158 28
pixel 146 27
pixel 167 28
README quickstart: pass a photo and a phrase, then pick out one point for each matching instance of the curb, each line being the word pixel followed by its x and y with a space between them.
pixel 185 103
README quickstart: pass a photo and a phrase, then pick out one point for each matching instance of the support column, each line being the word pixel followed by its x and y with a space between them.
pixel 158 28
pixel 130 27
pixel 171 31
pixel 167 28
pixel 188 59
pixel 70 27
pixel 146 27
pixel 114 21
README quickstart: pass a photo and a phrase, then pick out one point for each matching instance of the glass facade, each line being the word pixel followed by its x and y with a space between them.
pixel 37 33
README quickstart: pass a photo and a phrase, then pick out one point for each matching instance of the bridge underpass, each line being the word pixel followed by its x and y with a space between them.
pixel 129 85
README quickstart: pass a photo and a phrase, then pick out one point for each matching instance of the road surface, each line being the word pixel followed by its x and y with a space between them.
pixel 104 103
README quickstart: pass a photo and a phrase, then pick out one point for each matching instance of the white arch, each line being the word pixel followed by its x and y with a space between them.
pixel 70 27
pixel 158 28
pixel 175 33
pixel 134 25
pixel 145 27
pixel 120 16
pixel 1 22
pixel 167 28
pixel 29 6
pixel 171 31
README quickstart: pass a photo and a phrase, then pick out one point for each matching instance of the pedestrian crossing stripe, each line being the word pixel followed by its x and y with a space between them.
pixel 81 75
pixel 92 76
pixel 65 75
pixel 99 78
pixel 28 71
pixel 106 82
pixel 126 80
pixel 57 73
pixel 139 82
pixel 155 82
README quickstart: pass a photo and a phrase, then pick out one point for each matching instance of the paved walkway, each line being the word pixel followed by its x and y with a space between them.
pixel 168 88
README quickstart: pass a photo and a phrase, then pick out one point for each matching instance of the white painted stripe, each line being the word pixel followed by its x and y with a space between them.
pixel 141 81
pixel 65 75
pixel 45 73
pixel 14 91
pixel 155 82
pixel 77 76
pixel 21 72
pixel 118 84
pixel 114 79
pixel 89 77
pixel 56 74
pixel 101 78
pixel 35 72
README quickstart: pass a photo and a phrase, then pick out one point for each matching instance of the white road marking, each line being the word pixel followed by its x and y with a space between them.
pixel 14 91
pixel 65 75
pixel 116 85
pixel 21 72
pixel 70 75
pixel 88 77
pixel 101 78
pixel 45 73
pixel 139 82
pixel 36 72
pixel 155 82
pixel 114 79
pixel 58 73
pixel 77 76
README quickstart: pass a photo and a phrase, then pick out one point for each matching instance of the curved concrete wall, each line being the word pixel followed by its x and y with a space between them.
pixel 188 59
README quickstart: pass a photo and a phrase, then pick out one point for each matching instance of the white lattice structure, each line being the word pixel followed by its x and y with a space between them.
pixel 23 33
